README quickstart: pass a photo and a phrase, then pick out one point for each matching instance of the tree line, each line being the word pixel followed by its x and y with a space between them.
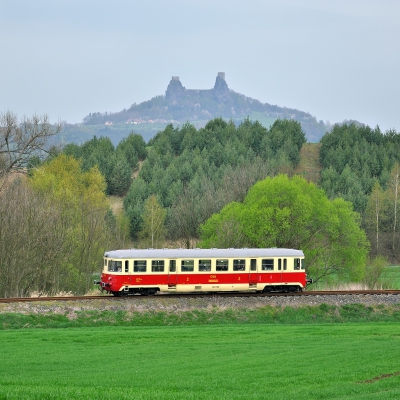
pixel 221 186
pixel 194 173
pixel 361 165
pixel 55 216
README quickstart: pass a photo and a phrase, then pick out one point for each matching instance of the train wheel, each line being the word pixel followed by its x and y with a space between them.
pixel 116 294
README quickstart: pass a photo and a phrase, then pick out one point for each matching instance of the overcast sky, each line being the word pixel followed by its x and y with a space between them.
pixel 336 59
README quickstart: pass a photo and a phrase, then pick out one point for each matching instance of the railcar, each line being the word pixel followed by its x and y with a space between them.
pixel 148 271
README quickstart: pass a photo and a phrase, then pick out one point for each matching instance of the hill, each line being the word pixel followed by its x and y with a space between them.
pixel 197 106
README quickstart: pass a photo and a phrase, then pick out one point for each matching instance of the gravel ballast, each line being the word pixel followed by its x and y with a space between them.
pixel 181 304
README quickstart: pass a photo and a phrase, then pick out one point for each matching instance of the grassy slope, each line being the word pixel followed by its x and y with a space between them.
pixel 309 166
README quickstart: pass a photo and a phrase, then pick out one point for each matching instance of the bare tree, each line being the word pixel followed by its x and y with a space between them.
pixel 20 140
pixel 185 217
pixel 195 206
pixel 394 184
pixel 29 243
pixel 375 212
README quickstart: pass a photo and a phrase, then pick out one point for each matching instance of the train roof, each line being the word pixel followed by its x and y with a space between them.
pixel 202 253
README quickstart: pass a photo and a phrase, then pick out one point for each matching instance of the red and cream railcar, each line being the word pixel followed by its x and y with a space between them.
pixel 202 270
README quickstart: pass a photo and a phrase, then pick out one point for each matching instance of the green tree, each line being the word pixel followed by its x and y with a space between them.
pixel 80 198
pixel 283 212
pixel 134 149
pixel 153 222
pixel 121 177
pixel 374 270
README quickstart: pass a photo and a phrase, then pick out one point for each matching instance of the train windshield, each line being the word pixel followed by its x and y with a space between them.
pixel 114 266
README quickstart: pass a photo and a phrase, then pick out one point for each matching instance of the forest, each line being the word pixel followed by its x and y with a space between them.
pixel 224 185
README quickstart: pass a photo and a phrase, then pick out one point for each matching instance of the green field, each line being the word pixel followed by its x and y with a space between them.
pixel 248 361
pixel 391 277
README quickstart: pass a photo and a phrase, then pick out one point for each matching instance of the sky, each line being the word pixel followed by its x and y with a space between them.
pixel 336 59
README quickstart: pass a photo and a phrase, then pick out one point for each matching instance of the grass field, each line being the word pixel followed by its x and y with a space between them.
pixel 250 361
pixel 391 277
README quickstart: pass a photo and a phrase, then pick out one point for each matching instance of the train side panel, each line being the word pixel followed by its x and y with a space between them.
pixel 276 270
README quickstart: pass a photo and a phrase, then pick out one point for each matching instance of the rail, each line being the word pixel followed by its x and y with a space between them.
pixel 199 295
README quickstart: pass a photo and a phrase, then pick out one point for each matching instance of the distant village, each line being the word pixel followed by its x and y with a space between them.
pixel 140 121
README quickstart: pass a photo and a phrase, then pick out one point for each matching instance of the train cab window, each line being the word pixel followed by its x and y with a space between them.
pixel 222 265
pixel 239 265
pixel 114 266
pixel 126 266
pixel 204 265
pixel 139 266
pixel 157 266
pixel 297 263
pixel 187 265
pixel 267 265
pixel 253 264
pixel 172 265
pixel 302 264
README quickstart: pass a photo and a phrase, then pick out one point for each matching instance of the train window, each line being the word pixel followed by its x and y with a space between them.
pixel 114 266
pixel 267 265
pixel 239 265
pixel 297 263
pixel 302 264
pixel 204 265
pixel 284 264
pixel 253 264
pixel 222 265
pixel 172 265
pixel 126 266
pixel 187 265
pixel 105 262
pixel 279 264
pixel 157 266
pixel 139 266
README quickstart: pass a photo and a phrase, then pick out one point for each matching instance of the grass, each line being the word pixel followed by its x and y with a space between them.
pixel 250 361
pixel 389 279
pixel 262 118
pixel 324 313
pixel 309 166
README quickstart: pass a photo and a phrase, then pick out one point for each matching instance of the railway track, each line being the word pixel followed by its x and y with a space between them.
pixel 199 295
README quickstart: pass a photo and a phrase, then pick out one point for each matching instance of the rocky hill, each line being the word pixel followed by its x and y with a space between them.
pixel 198 106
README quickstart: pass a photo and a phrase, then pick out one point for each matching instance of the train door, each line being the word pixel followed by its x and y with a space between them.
pixel 172 276
pixel 128 276
pixel 253 275
pixel 282 269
